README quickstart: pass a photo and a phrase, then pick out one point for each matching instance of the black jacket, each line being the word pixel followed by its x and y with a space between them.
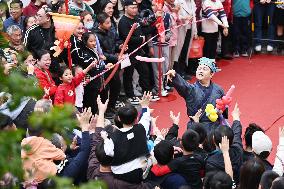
pixel 76 168
pixel 124 26
pixel 215 160
pixel 109 42
pixel 37 38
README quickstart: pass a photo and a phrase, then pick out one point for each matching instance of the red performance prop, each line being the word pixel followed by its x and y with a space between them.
pixel 134 51
pixel 64 27
pixel 222 104
pixel 116 66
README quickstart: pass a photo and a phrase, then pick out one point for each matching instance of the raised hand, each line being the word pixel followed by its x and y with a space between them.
pixel 84 119
pixel 197 116
pixel 170 75
pixel 175 119
pixel 224 145
pixel 73 145
pixel 145 100
pixel 236 113
pixel 102 106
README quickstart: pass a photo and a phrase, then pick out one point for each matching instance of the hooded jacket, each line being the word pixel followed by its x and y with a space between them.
pixel 38 155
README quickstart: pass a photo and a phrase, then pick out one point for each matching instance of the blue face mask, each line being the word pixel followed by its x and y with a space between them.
pixel 89 25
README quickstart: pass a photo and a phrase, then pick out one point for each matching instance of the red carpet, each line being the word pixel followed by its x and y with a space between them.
pixel 259 92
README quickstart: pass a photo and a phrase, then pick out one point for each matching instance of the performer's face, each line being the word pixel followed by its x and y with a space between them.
pixel 203 73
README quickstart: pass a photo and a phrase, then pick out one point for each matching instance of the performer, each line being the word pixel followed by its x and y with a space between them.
pixel 201 93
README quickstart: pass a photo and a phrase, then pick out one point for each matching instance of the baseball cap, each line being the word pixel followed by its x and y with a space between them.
pixel 261 142
pixel 130 2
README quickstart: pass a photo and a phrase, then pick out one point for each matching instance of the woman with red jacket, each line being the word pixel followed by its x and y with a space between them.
pixel 43 75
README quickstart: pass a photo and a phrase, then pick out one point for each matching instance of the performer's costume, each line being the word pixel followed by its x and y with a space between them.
pixel 197 96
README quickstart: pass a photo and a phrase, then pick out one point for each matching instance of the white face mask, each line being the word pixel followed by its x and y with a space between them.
pixel 89 25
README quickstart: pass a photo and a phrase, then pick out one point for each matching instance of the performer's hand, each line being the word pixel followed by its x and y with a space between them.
pixel 236 113
pixel 225 31
pixel 175 119
pixel 170 75
pixel 197 116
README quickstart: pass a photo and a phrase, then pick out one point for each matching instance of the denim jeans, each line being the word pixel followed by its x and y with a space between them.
pixel 261 11
pixel 241 34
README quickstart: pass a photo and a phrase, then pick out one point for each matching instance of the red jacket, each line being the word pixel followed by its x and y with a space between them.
pixel 65 92
pixel 45 81
pixel 31 9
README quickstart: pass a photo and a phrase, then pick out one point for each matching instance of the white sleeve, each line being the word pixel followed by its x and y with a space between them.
pixel 146 121
pixel 279 159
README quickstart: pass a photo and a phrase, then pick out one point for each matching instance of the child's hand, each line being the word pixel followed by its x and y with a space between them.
pixel 109 65
pixel 84 119
pixel 7 68
pixel 164 132
pixel 177 150
pixel 102 107
pixel 262 1
pixel 175 119
pixel 197 116
pixel 170 75
pixel 225 31
pixel 224 145
pixel 146 98
pixel 236 113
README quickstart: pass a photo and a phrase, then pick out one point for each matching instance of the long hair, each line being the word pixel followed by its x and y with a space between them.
pixel 251 172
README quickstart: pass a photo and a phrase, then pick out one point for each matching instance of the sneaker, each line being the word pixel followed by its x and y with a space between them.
pixel 236 54
pixel 245 54
pixel 119 104
pixel 269 48
pixel 155 98
pixel 257 48
pixel 164 93
pixel 134 100
pixel 168 88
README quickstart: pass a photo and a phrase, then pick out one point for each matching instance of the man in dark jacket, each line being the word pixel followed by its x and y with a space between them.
pixel 137 39
pixel 200 93
pixel 74 167
pixel 215 159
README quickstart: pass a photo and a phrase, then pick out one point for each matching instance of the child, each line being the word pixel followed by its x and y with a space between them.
pixel 215 160
pixel 164 45
pixel 110 45
pixel 65 92
pixel 241 11
pixel 212 10
pixel 79 91
pixel 90 54
pixel 128 145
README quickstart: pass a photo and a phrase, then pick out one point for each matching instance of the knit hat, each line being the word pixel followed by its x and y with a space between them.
pixel 261 142
pixel 130 2
pixel 210 63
